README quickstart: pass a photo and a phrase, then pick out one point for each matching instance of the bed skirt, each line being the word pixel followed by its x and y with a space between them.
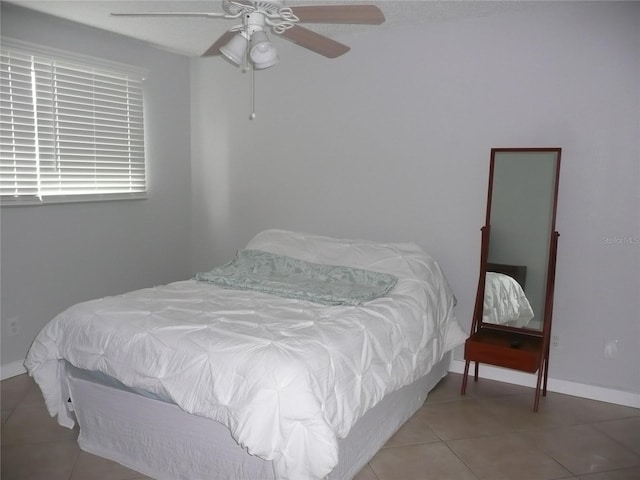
pixel 160 440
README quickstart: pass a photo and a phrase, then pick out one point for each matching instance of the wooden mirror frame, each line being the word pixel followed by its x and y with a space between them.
pixel 522 349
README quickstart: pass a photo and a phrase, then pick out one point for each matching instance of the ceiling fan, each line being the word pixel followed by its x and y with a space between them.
pixel 248 42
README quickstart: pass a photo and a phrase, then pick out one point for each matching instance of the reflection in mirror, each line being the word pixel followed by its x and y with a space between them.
pixel 520 212
pixel 505 302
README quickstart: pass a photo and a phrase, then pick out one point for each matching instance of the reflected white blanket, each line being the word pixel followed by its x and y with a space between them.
pixel 288 377
pixel 505 302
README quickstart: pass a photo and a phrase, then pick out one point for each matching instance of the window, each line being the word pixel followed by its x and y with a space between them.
pixel 72 128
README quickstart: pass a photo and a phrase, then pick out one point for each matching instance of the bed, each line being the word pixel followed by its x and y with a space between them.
pixel 195 380
pixel 505 302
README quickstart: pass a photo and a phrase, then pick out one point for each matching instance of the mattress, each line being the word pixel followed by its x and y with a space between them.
pixel 162 441
pixel 289 378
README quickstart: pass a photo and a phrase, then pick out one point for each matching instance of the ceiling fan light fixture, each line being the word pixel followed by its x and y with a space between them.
pixel 235 49
pixel 262 52
pixel 266 64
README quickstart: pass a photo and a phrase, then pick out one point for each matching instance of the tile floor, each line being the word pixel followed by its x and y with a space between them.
pixel 491 434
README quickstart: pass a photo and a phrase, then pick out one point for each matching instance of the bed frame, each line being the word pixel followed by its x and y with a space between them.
pixel 162 441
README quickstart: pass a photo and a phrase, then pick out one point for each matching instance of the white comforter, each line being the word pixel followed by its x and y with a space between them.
pixel 505 302
pixel 287 377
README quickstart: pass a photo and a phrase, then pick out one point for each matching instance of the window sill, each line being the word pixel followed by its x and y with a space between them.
pixel 57 199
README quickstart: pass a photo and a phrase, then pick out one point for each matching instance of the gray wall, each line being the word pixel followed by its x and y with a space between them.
pixel 56 255
pixel 392 142
pixel 373 144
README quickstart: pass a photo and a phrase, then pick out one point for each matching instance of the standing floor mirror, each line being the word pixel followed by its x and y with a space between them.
pixel 511 324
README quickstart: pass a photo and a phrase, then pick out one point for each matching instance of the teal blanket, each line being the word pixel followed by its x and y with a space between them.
pixel 293 278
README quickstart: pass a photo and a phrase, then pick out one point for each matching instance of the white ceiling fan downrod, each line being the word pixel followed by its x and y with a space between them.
pixel 270 13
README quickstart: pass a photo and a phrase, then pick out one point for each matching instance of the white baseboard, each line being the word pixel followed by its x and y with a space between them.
pixel 515 377
pixel 13 369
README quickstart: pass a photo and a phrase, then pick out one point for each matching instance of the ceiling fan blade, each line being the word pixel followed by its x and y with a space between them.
pixel 215 48
pixel 362 14
pixel 171 14
pixel 315 42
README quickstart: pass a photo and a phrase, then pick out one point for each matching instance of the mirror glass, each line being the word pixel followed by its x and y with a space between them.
pixel 521 215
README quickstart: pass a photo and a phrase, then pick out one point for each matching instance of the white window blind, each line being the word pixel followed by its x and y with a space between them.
pixel 69 129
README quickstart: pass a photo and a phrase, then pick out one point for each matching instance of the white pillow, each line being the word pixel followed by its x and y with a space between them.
pixel 404 260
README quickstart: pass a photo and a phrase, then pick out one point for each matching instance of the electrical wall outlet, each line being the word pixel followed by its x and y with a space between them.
pixel 13 326
pixel 555 341
pixel 610 349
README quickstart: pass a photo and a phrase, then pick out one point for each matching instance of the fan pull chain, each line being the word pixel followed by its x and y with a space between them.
pixel 253 94
pixel 246 66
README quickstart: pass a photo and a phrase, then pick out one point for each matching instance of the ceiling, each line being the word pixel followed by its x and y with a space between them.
pixel 192 36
